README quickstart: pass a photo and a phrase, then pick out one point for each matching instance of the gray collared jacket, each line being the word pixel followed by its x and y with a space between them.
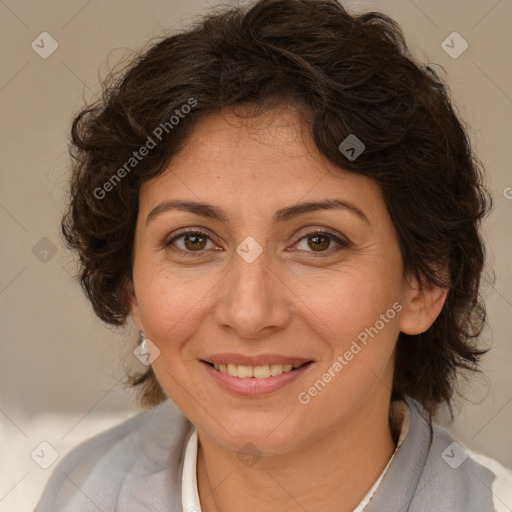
pixel 137 467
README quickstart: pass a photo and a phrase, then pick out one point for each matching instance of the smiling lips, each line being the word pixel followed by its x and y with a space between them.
pixel 252 377
pixel 260 366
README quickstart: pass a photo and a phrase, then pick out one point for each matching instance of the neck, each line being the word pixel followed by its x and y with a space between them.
pixel 332 473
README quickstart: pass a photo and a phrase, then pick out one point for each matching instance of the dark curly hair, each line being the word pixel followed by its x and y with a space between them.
pixel 345 74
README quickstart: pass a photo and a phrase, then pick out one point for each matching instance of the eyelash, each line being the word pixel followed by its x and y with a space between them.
pixel 343 244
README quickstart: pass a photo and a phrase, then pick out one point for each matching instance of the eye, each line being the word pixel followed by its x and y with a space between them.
pixel 190 242
pixel 194 243
pixel 319 241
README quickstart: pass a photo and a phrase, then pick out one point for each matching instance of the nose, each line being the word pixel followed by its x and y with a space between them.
pixel 254 300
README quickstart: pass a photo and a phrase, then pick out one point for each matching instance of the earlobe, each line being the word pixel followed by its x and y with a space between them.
pixel 421 306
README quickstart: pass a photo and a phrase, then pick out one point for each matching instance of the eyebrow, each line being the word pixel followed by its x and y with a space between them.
pixel 289 212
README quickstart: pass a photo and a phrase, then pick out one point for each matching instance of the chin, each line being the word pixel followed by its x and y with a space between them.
pixel 268 436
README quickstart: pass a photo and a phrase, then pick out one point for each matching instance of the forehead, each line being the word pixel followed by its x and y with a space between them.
pixel 269 160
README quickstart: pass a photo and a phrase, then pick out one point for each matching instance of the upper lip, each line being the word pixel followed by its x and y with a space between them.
pixel 254 360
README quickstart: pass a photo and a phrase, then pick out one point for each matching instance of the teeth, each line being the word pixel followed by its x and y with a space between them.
pixel 244 371
pixel 276 369
pixel 259 372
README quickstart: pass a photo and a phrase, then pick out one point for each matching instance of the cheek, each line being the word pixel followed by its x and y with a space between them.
pixel 344 304
pixel 171 303
pixel 360 320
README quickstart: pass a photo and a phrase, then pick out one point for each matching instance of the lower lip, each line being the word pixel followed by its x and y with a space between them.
pixel 252 387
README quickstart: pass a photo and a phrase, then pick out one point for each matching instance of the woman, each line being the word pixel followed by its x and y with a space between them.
pixel 287 207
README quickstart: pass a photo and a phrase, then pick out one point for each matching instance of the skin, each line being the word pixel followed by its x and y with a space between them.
pixel 322 456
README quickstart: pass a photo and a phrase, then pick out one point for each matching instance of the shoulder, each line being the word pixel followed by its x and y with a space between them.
pixel 502 480
pixel 122 465
pixel 456 478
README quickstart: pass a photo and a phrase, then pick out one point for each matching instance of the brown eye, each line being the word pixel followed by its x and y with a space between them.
pixel 189 242
pixel 194 242
pixel 320 242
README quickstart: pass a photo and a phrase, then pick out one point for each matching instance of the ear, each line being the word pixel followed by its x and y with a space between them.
pixel 421 305
pixel 133 305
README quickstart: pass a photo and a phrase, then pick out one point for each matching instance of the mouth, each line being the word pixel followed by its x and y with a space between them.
pixel 256 372
pixel 257 380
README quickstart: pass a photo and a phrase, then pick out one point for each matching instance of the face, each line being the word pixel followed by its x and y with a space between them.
pixel 256 279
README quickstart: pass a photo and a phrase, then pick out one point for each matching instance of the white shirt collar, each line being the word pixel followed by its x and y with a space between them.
pixel 189 493
pixel 400 415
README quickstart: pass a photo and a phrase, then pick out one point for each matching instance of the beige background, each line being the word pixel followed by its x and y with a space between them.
pixel 55 355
